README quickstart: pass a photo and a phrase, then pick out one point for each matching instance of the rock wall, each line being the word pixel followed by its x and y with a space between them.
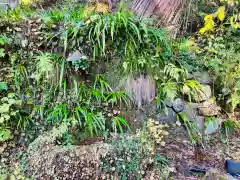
pixel 199 109
pixel 11 3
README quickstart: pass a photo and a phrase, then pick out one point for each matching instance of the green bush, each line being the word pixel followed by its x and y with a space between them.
pixel 220 55
pixel 123 161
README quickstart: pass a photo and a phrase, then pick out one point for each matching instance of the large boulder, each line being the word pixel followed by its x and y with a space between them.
pixel 211 126
pixel 200 123
pixel 209 108
pixel 169 116
pixel 202 77
pixel 203 94
pixel 190 109
pixel 178 105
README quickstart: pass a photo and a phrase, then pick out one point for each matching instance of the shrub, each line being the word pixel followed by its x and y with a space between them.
pixel 219 52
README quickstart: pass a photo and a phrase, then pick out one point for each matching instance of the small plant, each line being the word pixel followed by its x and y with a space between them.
pixel 86 111
pixel 218 50
pixel 191 126
pixel 45 65
pixel 5 134
pixel 53 16
pixel 9 108
pixel 156 131
pixel 175 83
pixel 230 125
pixel 162 166
pixel 124 159
pixel 4 40
pixel 58 113
pixel 118 123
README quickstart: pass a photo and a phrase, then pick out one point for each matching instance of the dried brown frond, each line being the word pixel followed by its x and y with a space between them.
pixel 168 13
pixel 141 89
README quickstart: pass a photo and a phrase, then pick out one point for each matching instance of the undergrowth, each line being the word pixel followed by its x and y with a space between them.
pixel 55 68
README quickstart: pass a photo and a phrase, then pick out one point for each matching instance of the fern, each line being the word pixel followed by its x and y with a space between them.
pixel 191 88
pixel 173 72
pixel 169 90
pixel 45 66
pixel 234 100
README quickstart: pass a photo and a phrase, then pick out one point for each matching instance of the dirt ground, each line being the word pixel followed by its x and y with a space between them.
pixel 182 156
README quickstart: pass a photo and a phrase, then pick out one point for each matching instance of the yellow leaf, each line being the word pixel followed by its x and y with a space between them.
pixel 102 7
pixel 221 13
pixel 27 2
pixel 210 25
pixel 233 22
pixel 208 17
pixel 202 30
pixel 88 10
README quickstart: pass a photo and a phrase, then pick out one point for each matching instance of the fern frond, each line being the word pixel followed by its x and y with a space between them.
pixel 45 65
pixel 174 72
pixel 169 90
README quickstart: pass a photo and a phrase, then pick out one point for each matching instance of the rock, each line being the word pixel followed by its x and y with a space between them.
pixel 4 145
pixel 170 117
pixel 202 77
pixel 213 174
pixel 190 110
pixel 1 150
pixel 200 123
pixel 178 105
pixel 168 103
pixel 211 126
pixel 193 105
pixel 203 94
pixel 76 56
pixel 209 108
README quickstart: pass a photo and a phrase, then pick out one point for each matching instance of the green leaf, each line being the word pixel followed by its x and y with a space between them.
pixel 5 134
pixel 13 113
pixel 3 86
pixel 4 99
pixel 6 117
pixel 11 95
pixel 2 53
pixel 11 101
pixel 1 119
pixel 4 108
